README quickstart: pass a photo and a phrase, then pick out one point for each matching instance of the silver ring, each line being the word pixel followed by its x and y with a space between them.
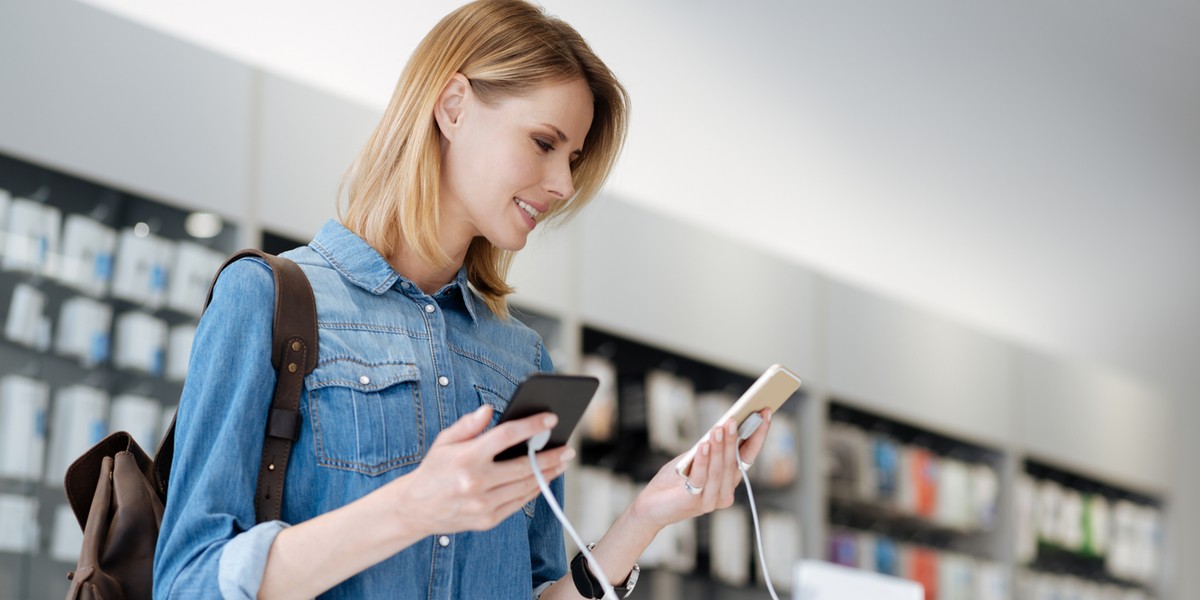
pixel 691 489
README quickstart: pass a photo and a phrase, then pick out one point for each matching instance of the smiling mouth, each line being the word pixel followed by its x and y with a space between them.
pixel 533 212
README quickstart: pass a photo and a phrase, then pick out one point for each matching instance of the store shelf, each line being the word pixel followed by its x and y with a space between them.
pixel 1074 525
pixel 39 572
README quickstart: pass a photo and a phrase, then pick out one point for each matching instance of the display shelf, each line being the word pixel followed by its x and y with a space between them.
pixel 914 502
pixel 63 247
pixel 891 520
pixel 1071 524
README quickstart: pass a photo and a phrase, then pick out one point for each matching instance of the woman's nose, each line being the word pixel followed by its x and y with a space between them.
pixel 560 181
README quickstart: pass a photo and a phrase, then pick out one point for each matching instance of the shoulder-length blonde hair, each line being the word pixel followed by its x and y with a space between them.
pixel 504 48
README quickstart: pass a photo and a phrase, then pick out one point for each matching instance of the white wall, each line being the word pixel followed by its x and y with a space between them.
pixel 905 362
pixel 305 142
pixel 1183 538
pixel 688 289
pixel 1095 422
pixel 98 96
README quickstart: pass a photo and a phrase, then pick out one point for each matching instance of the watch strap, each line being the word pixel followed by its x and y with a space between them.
pixel 588 585
pixel 585 583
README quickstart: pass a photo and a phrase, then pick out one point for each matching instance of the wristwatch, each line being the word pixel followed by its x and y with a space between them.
pixel 587 584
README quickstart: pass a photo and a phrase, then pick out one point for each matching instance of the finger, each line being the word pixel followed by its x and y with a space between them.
pixel 507 434
pixel 466 428
pixel 514 469
pixel 754 445
pixel 524 490
pixel 701 463
pixel 725 464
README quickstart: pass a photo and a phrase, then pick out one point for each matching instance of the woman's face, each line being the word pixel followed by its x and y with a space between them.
pixel 506 164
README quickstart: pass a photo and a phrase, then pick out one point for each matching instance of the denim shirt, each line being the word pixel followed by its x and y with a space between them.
pixel 396 366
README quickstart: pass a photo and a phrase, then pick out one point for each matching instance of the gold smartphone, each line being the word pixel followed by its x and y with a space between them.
pixel 772 389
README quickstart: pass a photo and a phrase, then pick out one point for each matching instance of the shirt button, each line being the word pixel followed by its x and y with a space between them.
pixel 444 541
pixel 364 380
pixel 445 381
pixel 429 308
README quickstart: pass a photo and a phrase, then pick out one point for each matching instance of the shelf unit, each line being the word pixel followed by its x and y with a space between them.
pixel 1077 530
pixel 909 501
pixel 66 221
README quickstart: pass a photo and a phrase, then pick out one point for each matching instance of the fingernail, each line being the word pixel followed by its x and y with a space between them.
pixel 720 435
pixel 704 449
pixel 568 454
pixel 550 420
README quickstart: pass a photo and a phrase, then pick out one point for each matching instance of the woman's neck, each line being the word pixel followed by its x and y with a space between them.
pixel 427 277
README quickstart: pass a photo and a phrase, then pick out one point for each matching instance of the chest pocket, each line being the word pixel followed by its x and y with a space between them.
pixel 366 417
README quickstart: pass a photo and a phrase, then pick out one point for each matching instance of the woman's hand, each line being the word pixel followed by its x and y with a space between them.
pixel 458 486
pixel 666 500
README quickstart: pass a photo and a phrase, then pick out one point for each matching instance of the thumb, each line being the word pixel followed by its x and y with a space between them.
pixel 466 427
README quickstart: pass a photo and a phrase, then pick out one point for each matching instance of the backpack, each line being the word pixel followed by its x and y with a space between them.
pixel 117 492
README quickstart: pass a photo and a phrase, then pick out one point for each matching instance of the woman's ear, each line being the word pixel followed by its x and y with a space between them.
pixel 449 108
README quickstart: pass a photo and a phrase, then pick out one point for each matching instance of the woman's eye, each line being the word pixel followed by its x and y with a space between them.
pixel 543 146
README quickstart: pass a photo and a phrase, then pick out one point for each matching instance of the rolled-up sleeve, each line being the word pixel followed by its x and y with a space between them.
pixel 240 569
pixel 209 545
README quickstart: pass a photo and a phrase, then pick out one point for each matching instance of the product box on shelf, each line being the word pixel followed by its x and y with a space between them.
pixel 79 420
pixel 32 238
pixel 23 407
pixel 87 255
pixel 143 263
pixel 84 330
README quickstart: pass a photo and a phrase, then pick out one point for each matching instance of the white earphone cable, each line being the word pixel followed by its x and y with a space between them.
pixel 743 467
pixel 592 563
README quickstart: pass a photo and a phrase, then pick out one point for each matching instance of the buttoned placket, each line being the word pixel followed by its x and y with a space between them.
pixel 443 548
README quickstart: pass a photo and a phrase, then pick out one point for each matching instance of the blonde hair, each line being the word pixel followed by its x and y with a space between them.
pixel 505 48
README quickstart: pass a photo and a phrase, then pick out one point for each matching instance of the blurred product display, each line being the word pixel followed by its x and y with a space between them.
pixel 1074 525
pixel 100 292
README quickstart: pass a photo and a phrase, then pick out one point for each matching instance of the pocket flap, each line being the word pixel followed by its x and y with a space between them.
pixel 361 376
pixel 497 401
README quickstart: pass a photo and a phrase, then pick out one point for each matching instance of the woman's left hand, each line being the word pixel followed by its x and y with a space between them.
pixel 714 472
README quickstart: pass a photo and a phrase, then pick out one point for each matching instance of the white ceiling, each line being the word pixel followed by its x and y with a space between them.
pixel 1030 168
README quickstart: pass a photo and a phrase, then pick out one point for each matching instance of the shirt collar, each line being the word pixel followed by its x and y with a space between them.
pixel 362 265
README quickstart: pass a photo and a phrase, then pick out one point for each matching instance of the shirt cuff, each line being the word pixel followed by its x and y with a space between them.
pixel 537 591
pixel 243 560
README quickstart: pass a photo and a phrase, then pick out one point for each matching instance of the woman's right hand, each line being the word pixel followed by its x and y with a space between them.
pixel 459 487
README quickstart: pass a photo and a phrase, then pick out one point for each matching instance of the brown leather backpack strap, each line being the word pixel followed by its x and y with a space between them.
pixel 294 355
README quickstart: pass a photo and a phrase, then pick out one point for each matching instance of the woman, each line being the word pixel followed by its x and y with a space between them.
pixel 502 119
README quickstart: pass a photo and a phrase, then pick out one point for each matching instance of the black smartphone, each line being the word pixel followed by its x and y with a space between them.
pixel 564 395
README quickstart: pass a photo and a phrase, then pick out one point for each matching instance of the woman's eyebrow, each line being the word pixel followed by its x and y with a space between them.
pixel 562 137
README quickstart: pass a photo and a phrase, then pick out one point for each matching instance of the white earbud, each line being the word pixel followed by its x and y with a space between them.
pixel 539 441
pixel 749 426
